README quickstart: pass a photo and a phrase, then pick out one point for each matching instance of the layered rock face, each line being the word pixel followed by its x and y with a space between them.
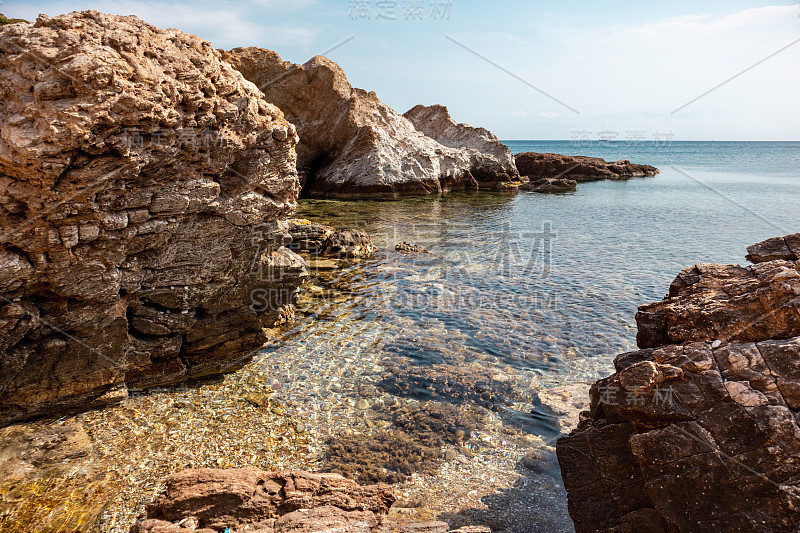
pixel 211 500
pixel 700 429
pixel 578 168
pixel 143 184
pixel 352 145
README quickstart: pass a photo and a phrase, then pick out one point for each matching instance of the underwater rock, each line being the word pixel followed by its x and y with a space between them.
pixel 408 248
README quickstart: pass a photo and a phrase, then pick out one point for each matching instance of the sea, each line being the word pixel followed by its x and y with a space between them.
pixel 520 294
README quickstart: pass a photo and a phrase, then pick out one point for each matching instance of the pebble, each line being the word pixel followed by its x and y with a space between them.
pixel 362 404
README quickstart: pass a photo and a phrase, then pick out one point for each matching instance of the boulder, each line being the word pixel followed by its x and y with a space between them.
pixel 352 145
pixel 700 429
pixel 144 186
pixel 578 168
pixel 349 244
pixel 212 500
pixel 318 239
pixel 308 236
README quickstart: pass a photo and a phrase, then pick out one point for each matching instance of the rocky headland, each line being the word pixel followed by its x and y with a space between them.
pixel 352 145
pixel 700 429
pixel 540 168
pixel 144 186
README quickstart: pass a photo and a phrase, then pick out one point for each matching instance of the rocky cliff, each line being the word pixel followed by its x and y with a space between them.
pixel 354 145
pixel 143 184
pixel 700 429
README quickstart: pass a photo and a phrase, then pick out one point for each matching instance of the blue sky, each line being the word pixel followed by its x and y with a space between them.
pixel 616 69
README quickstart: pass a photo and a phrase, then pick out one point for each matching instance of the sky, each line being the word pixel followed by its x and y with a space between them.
pixel 625 70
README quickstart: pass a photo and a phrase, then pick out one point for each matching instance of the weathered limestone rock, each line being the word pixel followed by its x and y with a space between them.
pixel 143 184
pixel 492 161
pixel 319 239
pixel 699 430
pixel 308 236
pixel 578 168
pixel 211 500
pixel 353 145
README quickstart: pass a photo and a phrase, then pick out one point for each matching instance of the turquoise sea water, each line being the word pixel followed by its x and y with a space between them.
pixel 538 290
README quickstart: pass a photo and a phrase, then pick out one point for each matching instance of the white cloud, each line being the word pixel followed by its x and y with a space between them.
pixel 707 24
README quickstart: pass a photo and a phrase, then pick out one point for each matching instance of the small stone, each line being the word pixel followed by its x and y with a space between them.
pixel 362 404
pixel 716 344
pixel 256 398
pixel 449 455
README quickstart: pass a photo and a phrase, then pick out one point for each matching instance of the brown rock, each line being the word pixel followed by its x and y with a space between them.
pixel 775 248
pixel 308 236
pixel 211 500
pixel 142 188
pixel 701 430
pixel 408 248
pixel 725 302
pixel 349 243
pixel 578 168
pixel 274 502
pixel 364 148
pixel 550 185
pixel 220 498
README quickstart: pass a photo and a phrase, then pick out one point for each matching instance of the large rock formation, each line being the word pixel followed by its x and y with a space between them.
pixel 353 145
pixel 211 500
pixel 491 161
pixel 578 168
pixel 143 183
pixel 700 429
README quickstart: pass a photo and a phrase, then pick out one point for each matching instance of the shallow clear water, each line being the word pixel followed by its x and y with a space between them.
pixel 539 290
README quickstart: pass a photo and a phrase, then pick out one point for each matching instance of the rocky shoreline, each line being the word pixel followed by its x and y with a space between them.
pixel 709 406
pixel 147 182
pixel 140 233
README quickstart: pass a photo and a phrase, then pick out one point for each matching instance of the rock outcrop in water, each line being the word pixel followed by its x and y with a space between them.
pixel 578 168
pixel 700 429
pixel 143 184
pixel 211 500
pixel 352 145
pixel 318 239
pixel 549 185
